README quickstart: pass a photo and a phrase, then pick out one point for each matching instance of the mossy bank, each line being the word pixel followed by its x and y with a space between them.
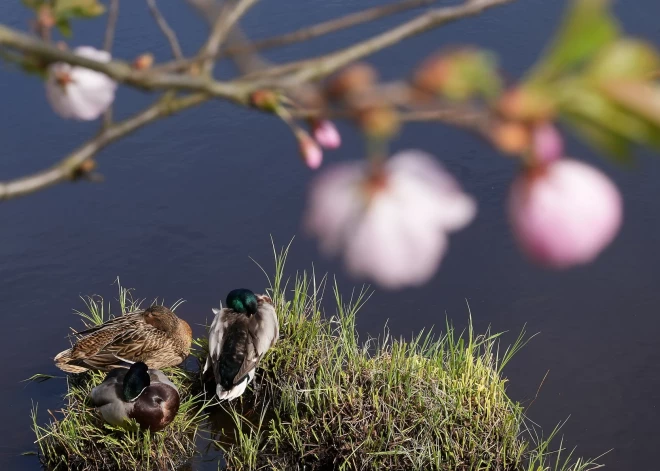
pixel 324 399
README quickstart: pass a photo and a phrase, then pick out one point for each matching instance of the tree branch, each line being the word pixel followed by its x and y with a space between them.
pixel 228 17
pixel 122 71
pixel 168 32
pixel 113 14
pixel 68 167
pixel 110 29
pixel 312 69
pixel 331 26
pixel 303 34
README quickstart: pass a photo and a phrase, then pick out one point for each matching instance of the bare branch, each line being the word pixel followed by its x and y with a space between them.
pixel 302 71
pixel 110 29
pixel 67 168
pixel 228 17
pixel 123 72
pixel 165 28
pixel 331 26
pixel 320 29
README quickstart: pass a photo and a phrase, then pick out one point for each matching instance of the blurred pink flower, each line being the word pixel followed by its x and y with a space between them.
pixel 392 228
pixel 311 153
pixel 565 213
pixel 547 143
pixel 326 134
pixel 79 93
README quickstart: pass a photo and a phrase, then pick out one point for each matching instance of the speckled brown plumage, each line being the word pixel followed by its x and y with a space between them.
pixel 155 336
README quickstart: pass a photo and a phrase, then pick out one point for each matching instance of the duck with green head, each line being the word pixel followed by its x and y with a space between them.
pixel 139 393
pixel 240 335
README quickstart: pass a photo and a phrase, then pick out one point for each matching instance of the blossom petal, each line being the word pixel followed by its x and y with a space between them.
pixel 334 204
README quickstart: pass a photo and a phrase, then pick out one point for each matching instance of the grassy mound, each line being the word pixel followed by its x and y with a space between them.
pixel 326 401
pixel 77 438
pixel 323 399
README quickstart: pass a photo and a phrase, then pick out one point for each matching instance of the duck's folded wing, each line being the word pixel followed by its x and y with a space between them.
pixel 118 321
pixel 138 344
pixel 96 339
pixel 264 329
pixel 109 390
pixel 217 334
pixel 250 362
pixel 159 376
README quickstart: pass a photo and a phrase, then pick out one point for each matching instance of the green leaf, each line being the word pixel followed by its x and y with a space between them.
pixel 77 9
pixel 628 59
pixel 63 25
pixel 588 27
pixel 610 124
pixel 639 98
pixel 33 4
pixel 601 139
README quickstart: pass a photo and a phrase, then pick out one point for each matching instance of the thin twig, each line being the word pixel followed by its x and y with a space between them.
pixel 311 69
pixel 168 32
pixel 331 26
pixel 67 168
pixel 110 29
pixel 228 17
pixel 303 34
pixel 298 72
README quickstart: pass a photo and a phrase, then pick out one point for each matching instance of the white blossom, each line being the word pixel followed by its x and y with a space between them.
pixel 391 228
pixel 79 93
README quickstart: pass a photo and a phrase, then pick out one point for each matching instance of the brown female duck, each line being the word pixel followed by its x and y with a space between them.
pixel 155 336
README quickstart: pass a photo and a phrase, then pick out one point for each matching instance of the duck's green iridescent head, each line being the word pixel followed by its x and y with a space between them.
pixel 136 380
pixel 242 300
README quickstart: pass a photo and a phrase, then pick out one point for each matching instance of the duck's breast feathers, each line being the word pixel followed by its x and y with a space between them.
pixel 156 407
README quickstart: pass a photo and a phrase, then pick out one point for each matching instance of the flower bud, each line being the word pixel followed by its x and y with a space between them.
pixel 564 214
pixel 143 61
pixel 326 133
pixel 355 79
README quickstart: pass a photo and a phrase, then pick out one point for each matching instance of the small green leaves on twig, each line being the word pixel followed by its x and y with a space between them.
pixel 61 12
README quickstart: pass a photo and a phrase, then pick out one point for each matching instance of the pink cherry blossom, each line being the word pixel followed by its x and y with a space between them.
pixel 565 213
pixel 311 153
pixel 393 228
pixel 326 134
pixel 79 93
pixel 547 143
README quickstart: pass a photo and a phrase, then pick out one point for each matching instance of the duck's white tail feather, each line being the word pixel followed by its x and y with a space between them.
pixel 236 391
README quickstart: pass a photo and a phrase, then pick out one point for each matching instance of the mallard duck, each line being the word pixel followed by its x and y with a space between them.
pixel 240 335
pixel 137 393
pixel 155 336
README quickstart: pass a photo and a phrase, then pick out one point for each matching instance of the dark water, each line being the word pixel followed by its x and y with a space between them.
pixel 187 201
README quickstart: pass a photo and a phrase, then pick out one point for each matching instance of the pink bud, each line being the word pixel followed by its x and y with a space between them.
pixel 311 153
pixel 326 134
pixel 547 143
pixel 564 214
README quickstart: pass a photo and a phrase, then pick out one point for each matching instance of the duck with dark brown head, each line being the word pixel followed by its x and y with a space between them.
pixel 137 393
